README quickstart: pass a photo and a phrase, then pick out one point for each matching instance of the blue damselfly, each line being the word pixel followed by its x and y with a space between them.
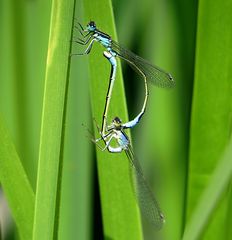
pixel 148 71
pixel 145 198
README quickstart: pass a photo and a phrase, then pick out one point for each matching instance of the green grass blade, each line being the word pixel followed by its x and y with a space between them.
pixel 211 196
pixel 77 197
pixel 77 180
pixel 37 18
pixel 119 208
pixel 24 26
pixel 228 224
pixel 212 105
pixel 52 131
pixel 16 185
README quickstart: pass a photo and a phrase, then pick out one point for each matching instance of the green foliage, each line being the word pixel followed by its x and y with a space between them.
pixel 211 109
pixel 116 193
pixel 165 127
pixel 52 130
pixel 182 140
pixel 17 188
pixel 218 183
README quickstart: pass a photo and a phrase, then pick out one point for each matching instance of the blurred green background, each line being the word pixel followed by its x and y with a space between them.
pixel 181 137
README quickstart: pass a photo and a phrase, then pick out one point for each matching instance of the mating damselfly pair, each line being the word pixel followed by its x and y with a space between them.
pixel 116 130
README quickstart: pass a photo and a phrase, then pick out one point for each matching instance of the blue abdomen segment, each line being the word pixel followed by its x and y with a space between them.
pixel 133 122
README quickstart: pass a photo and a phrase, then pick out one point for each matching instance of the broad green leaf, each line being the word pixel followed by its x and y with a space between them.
pixel 52 130
pixel 77 195
pixel 119 208
pixel 16 185
pixel 211 108
pixel 210 198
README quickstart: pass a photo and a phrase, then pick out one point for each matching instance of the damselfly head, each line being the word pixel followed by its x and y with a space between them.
pixel 91 26
pixel 117 122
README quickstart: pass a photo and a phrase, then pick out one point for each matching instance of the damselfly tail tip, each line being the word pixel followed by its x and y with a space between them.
pixel 171 80
pixel 162 217
pixel 160 223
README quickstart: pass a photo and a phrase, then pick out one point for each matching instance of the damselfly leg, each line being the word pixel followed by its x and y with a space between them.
pixel 81 41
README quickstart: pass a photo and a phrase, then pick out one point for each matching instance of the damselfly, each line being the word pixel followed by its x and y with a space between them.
pixel 146 200
pixel 148 71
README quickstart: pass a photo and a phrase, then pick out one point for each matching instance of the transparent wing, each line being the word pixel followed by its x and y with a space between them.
pixel 146 200
pixel 154 74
